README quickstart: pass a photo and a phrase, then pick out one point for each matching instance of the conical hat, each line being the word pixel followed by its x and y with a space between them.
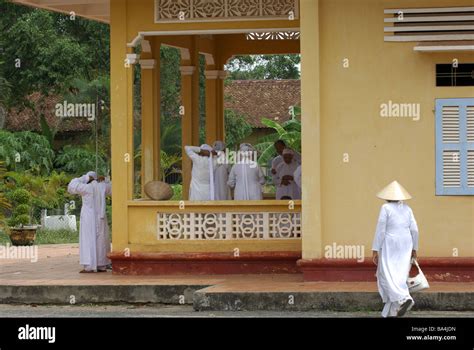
pixel 394 192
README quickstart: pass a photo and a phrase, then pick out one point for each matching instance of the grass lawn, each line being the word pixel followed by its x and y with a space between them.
pixel 48 237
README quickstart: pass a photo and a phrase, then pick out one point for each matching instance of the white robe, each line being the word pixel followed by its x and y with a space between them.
pixel 292 190
pixel 88 228
pixel 297 177
pixel 101 191
pixel 395 238
pixel 221 177
pixel 200 189
pixel 279 159
pixel 247 179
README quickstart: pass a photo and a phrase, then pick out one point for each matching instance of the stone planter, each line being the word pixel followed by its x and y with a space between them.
pixel 23 236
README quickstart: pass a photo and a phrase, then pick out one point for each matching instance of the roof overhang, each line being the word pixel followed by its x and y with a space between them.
pixel 97 10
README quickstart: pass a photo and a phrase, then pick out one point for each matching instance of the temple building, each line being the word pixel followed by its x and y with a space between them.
pixel 386 94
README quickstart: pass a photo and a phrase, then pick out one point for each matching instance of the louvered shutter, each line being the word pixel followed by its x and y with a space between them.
pixel 455 146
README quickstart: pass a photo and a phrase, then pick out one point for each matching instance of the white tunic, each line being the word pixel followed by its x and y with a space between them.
pixel 247 179
pixel 221 177
pixel 101 191
pixel 297 177
pixel 292 190
pixel 395 238
pixel 279 159
pixel 88 228
pixel 200 189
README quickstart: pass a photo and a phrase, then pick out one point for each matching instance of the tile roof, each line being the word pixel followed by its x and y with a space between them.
pixel 28 119
pixel 257 99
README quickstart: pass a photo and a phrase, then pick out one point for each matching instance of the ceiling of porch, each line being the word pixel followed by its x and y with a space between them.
pixel 98 10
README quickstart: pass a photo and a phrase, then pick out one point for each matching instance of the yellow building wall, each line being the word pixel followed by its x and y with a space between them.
pixel 382 149
pixel 140 17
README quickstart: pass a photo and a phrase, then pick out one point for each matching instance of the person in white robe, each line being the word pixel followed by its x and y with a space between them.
pixel 297 176
pixel 246 176
pixel 395 245
pixel 286 187
pixel 202 175
pixel 88 228
pixel 221 173
pixel 280 146
pixel 102 190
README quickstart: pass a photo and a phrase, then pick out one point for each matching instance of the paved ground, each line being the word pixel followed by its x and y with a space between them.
pixel 21 311
pixel 58 265
pixel 52 277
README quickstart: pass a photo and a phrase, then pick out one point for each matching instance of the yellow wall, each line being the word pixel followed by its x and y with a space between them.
pixel 141 18
pixel 382 149
pixel 345 102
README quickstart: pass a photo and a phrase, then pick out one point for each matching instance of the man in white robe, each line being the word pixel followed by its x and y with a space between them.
pixel 102 190
pixel 280 146
pixel 221 173
pixel 395 244
pixel 297 176
pixel 202 176
pixel 88 225
pixel 246 176
pixel 286 187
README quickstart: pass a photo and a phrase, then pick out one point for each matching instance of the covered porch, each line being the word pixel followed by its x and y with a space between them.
pixel 160 237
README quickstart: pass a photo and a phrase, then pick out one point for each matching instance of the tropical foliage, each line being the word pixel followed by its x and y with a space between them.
pixel 169 164
pixel 289 132
pixel 26 151
pixel 80 160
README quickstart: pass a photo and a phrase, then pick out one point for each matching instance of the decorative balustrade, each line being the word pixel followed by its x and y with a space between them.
pixel 230 225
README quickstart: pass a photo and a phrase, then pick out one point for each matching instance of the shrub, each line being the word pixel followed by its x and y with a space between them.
pixel 26 151
pixel 21 196
pixel 76 160
pixel 20 220
pixel 22 209
pixel 21 199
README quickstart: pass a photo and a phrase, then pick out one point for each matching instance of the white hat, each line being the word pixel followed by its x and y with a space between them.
pixel 219 146
pixel 246 147
pixel 394 192
pixel 288 151
pixel 206 148
pixel 92 174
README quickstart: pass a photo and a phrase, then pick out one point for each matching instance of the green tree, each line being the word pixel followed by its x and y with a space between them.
pixel 236 129
pixel 26 151
pixel 259 67
pixel 79 160
pixel 39 58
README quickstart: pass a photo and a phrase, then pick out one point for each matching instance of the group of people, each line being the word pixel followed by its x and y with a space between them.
pixel 212 177
pixel 94 237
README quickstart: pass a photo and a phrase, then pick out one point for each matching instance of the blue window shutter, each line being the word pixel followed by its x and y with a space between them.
pixel 455 147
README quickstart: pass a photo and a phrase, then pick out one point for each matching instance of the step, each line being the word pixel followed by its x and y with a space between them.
pixel 208 299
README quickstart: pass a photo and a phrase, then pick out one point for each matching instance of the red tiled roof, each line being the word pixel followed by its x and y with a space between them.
pixel 257 99
pixel 28 119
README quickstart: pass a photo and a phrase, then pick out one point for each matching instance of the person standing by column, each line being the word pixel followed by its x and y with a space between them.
pixel 88 223
pixel 202 176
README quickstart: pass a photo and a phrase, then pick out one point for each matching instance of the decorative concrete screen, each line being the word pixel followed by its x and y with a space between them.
pixel 289 35
pixel 167 11
pixel 221 226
